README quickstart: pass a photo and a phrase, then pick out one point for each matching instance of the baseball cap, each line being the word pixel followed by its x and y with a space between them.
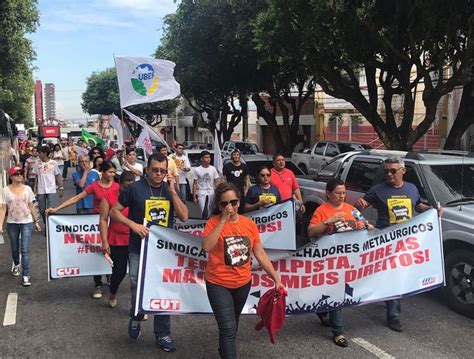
pixel 14 169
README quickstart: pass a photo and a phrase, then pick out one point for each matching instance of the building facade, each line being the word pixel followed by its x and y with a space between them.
pixel 38 103
pixel 50 102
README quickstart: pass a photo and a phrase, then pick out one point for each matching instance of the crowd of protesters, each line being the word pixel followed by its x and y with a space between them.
pixel 114 184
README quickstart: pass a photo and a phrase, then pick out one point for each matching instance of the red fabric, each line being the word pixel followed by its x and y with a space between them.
pixel 109 154
pixel 272 309
pixel 100 192
pixel 118 234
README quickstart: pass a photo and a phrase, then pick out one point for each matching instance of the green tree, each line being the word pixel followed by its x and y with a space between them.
pixel 398 46
pixel 218 67
pixel 102 97
pixel 207 67
pixel 17 18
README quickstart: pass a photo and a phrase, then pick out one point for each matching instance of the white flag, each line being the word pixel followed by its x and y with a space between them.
pixel 117 125
pixel 144 141
pixel 144 80
pixel 217 154
pixel 155 136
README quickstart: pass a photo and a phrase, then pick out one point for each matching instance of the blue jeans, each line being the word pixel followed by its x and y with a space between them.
pixel 393 309
pixel 45 201
pixel 20 234
pixel 161 323
pixel 335 318
pixel 227 304
pixel 182 192
pixel 67 164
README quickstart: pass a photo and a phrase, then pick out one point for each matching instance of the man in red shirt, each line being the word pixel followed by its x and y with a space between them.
pixel 285 181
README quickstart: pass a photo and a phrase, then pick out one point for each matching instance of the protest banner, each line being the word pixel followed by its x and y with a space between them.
pixel 340 270
pixel 74 246
pixel 276 225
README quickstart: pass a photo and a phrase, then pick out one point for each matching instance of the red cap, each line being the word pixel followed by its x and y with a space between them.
pixel 13 170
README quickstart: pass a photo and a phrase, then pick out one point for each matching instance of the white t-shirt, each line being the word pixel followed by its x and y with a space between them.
pixel 58 156
pixel 205 177
pixel 46 173
pixel 181 162
pixel 18 210
pixel 66 154
pixel 80 151
pixel 136 166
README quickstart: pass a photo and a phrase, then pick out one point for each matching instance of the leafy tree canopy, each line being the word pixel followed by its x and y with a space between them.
pixel 17 18
pixel 398 46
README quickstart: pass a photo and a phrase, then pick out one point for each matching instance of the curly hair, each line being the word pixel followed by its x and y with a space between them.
pixel 220 190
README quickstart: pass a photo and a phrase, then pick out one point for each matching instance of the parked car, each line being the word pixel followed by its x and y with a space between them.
pixel 444 179
pixel 194 145
pixel 245 148
pixel 322 152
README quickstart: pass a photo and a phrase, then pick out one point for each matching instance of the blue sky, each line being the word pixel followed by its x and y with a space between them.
pixel 78 37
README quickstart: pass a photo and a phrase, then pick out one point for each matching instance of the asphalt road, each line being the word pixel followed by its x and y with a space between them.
pixel 60 319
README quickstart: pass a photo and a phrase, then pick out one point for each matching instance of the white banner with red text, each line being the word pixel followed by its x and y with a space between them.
pixel 340 270
pixel 276 225
pixel 75 247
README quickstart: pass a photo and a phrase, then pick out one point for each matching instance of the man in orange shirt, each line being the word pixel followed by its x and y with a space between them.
pixel 285 181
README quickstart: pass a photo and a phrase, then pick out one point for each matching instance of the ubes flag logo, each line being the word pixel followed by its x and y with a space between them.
pixel 145 80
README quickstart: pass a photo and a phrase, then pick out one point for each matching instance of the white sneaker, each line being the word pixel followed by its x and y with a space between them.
pixel 26 281
pixel 16 270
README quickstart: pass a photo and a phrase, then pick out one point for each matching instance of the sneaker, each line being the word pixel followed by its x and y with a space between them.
pixel 26 281
pixel 112 301
pixel 167 344
pixel 145 317
pixel 395 325
pixel 16 270
pixel 133 329
pixel 97 293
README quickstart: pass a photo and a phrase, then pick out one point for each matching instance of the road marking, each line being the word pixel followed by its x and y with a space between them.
pixel 379 353
pixel 10 309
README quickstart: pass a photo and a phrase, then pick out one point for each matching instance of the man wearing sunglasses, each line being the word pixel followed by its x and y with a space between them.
pixel 395 201
pixel 152 199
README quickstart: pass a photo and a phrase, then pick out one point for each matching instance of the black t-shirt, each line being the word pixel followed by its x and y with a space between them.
pixel 147 202
pixel 236 175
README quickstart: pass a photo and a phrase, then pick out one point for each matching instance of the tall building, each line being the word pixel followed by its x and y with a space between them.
pixel 39 118
pixel 50 102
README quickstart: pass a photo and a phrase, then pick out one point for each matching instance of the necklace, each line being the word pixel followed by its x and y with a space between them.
pixel 151 189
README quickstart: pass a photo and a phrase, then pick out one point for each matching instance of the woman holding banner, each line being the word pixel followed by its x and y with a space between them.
pixel 99 189
pixel 335 216
pixel 114 237
pixel 263 193
pixel 229 239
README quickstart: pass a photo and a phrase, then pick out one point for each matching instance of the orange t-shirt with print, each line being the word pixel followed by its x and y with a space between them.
pixel 325 211
pixel 229 261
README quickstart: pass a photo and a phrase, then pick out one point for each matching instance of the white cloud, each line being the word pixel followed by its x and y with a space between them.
pixel 145 8
pixel 75 18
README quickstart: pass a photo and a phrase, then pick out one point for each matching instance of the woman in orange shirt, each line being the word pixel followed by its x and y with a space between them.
pixel 229 239
pixel 334 216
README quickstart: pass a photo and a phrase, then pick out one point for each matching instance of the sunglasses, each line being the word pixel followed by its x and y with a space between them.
pixel 19 173
pixel 96 153
pixel 392 170
pixel 233 202
pixel 163 171
pixel 265 175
